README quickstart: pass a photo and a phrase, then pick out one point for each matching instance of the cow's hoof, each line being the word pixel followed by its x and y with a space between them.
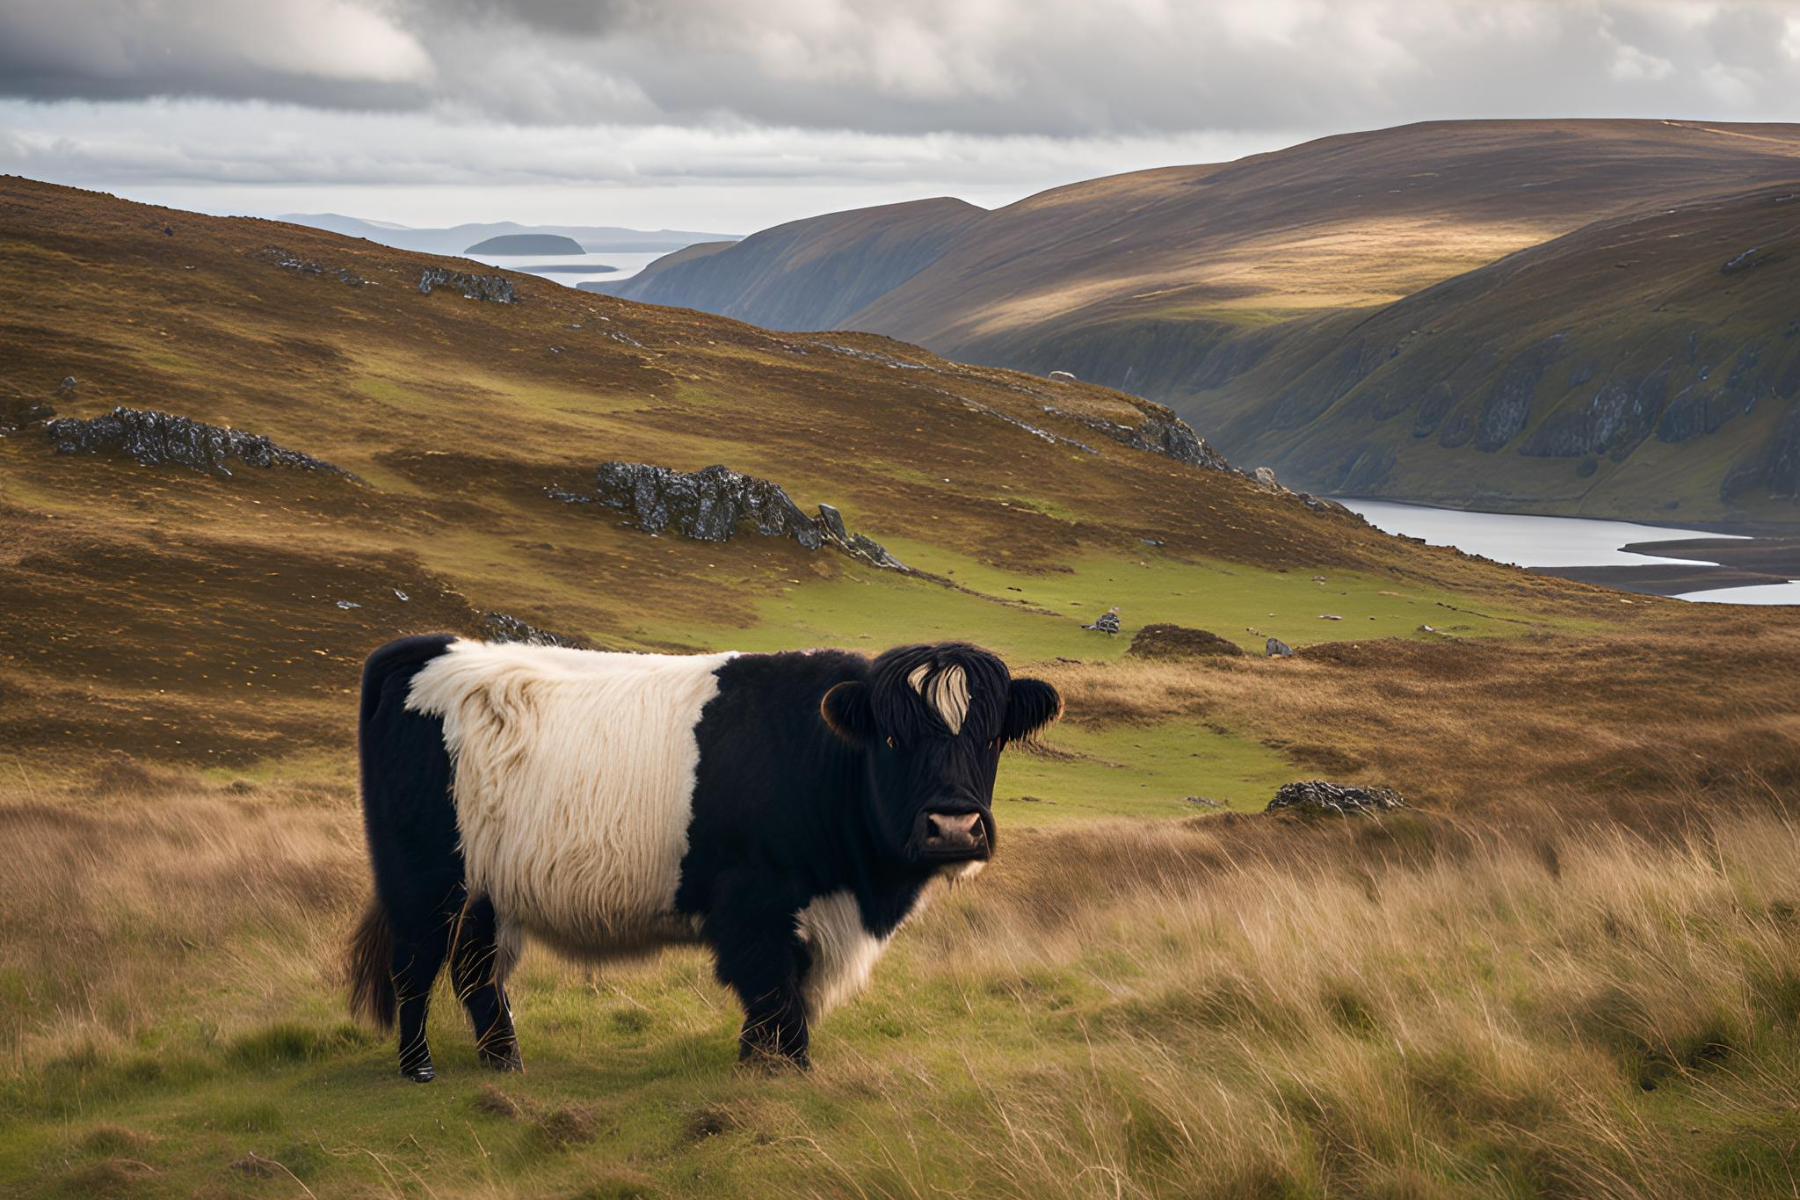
pixel 769 1061
pixel 506 1062
pixel 420 1074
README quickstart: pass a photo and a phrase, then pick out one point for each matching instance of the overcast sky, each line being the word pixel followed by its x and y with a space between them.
pixel 731 115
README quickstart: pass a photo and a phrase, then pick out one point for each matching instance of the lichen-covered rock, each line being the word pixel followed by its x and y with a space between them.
pixel 497 288
pixel 1177 641
pixel 1276 648
pixel 1318 796
pixel 160 439
pixel 711 504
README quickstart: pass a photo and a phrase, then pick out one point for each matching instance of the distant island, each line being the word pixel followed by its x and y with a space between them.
pixel 527 243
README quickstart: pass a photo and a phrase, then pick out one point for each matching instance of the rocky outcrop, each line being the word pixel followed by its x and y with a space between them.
pixel 155 439
pixel 497 288
pixel 1620 415
pixel 711 504
pixel 1159 432
pixel 1276 648
pixel 1162 641
pixel 1318 797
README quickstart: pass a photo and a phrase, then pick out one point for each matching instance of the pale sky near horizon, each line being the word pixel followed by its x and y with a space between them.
pixel 723 116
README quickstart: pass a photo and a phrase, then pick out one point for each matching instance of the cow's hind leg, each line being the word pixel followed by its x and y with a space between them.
pixel 478 967
pixel 418 957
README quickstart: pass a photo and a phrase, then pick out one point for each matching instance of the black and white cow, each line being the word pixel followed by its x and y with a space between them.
pixel 789 811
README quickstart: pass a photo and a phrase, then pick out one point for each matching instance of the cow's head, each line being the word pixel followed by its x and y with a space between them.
pixel 930 723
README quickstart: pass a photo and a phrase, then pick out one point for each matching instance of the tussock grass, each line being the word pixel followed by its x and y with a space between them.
pixel 1523 1004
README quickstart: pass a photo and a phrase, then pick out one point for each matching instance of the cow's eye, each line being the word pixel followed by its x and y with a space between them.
pixel 890 743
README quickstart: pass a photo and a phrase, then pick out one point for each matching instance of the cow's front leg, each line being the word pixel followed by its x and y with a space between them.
pixel 761 958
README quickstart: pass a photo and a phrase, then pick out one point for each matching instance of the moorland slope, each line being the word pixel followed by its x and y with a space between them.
pixel 1569 969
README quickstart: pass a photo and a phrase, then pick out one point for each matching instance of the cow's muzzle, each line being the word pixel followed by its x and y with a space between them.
pixel 954 835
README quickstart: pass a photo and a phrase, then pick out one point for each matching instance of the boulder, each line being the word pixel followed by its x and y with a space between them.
pixel 1265 479
pixel 1162 641
pixel 1062 376
pixel 155 439
pixel 1276 648
pixel 1318 796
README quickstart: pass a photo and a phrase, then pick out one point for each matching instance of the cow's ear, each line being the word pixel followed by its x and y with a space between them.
pixel 847 710
pixel 1031 704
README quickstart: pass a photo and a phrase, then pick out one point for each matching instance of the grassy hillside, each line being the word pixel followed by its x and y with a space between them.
pixel 1637 366
pixel 1569 970
pixel 1215 288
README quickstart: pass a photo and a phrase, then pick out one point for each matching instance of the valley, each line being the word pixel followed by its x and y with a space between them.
pixel 1579 318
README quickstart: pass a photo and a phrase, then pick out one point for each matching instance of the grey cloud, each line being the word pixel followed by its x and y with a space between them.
pixel 984 67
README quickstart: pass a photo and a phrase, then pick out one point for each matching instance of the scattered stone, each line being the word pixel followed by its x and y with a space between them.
pixel 1062 376
pixel 67 385
pixel 497 288
pixel 1329 617
pixel 288 261
pixel 1204 802
pixel 400 595
pixel 1276 648
pixel 502 627
pixel 348 604
pixel 1318 796
pixel 1176 642
pixel 1744 261
pixel 710 504
pixel 155 439
pixel 1265 479
pixel 1318 579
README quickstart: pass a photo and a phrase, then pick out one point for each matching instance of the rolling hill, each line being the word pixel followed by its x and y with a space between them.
pixel 235 455
pixel 454 238
pixel 1176 283
pixel 812 274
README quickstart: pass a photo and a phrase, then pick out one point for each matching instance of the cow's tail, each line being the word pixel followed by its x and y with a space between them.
pixel 370 967
pixel 406 817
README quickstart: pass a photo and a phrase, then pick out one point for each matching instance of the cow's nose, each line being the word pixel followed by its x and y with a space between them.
pixel 954 831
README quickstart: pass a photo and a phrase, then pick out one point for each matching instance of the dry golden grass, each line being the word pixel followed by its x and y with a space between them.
pixel 1540 1004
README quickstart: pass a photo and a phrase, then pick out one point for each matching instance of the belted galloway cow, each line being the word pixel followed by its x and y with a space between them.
pixel 788 811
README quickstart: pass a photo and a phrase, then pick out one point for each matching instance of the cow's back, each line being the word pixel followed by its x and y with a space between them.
pixel 574 782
